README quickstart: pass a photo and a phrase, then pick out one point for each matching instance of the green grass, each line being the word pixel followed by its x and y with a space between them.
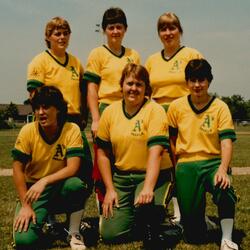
pixel 241 233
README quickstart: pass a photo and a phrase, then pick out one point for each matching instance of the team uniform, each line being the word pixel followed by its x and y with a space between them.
pixel 167 76
pixel 46 69
pixel 129 137
pixel 42 158
pixel 105 69
pixel 199 134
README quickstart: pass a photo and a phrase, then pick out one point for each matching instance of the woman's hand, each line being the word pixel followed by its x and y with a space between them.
pixel 110 200
pixel 35 191
pixel 23 218
pixel 221 178
pixel 145 196
pixel 94 127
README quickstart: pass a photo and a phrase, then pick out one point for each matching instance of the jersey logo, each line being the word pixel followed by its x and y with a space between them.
pixel 34 73
pixel 75 75
pixel 137 130
pixel 175 66
pixel 60 152
pixel 129 60
pixel 207 125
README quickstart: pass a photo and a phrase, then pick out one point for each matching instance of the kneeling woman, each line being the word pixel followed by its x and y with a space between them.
pixel 204 129
pixel 134 166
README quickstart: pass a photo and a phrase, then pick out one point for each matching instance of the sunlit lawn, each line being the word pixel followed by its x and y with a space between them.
pixel 241 184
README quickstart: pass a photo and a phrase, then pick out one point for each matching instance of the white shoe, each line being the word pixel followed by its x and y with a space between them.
pixel 228 245
pixel 76 242
pixel 210 224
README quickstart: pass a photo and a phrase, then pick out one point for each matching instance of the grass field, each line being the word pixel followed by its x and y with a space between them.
pixel 240 183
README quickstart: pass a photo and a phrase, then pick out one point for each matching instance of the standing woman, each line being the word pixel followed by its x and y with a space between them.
pixel 104 68
pixel 166 68
pixel 55 67
pixel 131 139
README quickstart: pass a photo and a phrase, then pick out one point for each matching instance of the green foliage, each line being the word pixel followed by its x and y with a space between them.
pixel 11 111
pixel 240 109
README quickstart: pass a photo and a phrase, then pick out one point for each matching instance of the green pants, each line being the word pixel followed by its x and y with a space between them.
pixel 65 196
pixel 193 180
pixel 128 185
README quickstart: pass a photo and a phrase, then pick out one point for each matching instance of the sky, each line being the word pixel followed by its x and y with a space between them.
pixel 219 29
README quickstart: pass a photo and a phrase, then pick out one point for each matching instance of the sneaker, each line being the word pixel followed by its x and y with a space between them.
pixel 228 245
pixel 76 241
pixel 210 224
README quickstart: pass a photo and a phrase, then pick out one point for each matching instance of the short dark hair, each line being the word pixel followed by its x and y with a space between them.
pixel 199 69
pixel 114 15
pixel 140 73
pixel 169 18
pixel 50 96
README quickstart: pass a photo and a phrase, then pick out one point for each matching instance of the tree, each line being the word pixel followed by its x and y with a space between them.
pixel 11 111
pixel 237 106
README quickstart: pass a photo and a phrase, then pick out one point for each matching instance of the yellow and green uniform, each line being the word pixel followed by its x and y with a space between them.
pixel 46 69
pixel 42 158
pixel 105 69
pixel 46 158
pixel 198 149
pixel 167 76
pixel 128 138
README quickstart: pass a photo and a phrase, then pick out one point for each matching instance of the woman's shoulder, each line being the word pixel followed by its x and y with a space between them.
pixel 153 56
pixel 191 51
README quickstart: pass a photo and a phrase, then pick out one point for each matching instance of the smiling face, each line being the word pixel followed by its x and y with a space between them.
pixel 59 39
pixel 115 33
pixel 133 91
pixel 198 87
pixel 170 36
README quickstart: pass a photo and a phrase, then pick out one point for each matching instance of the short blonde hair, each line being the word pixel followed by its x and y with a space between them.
pixel 169 18
pixel 54 24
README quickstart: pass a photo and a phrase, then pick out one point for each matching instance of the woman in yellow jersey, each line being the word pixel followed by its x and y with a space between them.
pixel 166 68
pixel 47 157
pixel 56 67
pixel 131 139
pixel 204 129
pixel 103 72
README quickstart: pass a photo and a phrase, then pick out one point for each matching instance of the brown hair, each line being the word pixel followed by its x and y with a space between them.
pixel 140 73
pixel 54 24
pixel 169 18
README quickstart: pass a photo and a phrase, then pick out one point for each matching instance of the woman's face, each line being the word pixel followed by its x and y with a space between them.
pixel 170 36
pixel 59 40
pixel 115 33
pixel 198 87
pixel 133 91
pixel 46 116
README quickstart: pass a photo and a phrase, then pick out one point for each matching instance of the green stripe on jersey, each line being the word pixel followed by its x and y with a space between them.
pixel 72 152
pixel 33 84
pixel 91 77
pixel 158 140
pixel 227 134
pixel 20 156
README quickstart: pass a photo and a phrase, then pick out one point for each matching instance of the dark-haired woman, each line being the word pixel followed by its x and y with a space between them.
pixel 47 157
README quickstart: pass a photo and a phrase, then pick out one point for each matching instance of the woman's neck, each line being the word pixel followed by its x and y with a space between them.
pixel 170 51
pixel 115 48
pixel 61 54
pixel 200 101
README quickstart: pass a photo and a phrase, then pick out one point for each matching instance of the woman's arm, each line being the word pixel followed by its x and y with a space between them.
pixel 92 99
pixel 73 165
pixel 152 173
pixel 221 178
pixel 26 212
pixel 111 197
